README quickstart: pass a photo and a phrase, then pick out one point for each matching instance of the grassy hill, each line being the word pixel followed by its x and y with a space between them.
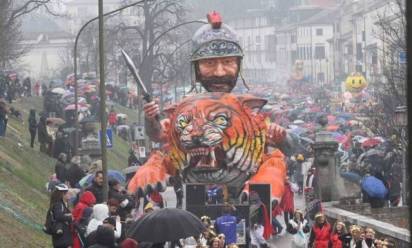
pixel 24 172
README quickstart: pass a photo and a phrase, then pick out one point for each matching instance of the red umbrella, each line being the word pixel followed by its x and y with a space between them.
pixel 331 118
pixel 332 128
pixel 371 143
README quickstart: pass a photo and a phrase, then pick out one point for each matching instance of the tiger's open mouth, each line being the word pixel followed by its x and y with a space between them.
pixel 204 159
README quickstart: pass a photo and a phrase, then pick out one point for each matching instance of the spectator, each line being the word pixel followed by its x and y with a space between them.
pixel 287 201
pixel 27 86
pixel 32 126
pixel 129 243
pixel 276 211
pixel 60 168
pixel 62 237
pixel 97 186
pixel 43 136
pixel 104 238
pixel 133 160
pixel 59 144
pixel 100 213
pixel 75 173
pixel 37 88
pixel 113 205
pixel 87 200
pixel 112 118
pixel 298 226
pixel 261 227
pixel 356 234
pixel 320 233
pixel 339 235
pixel 369 240
pixel 226 224
pixel 3 119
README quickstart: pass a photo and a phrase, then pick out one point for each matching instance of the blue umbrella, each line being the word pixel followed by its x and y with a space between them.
pixel 351 176
pixel 374 187
pixel 298 130
pixel 112 175
pixel 346 116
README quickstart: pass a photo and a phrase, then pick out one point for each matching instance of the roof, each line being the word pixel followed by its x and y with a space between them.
pixel 36 23
pixel 323 17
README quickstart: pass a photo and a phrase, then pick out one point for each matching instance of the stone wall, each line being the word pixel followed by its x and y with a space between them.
pixel 387 222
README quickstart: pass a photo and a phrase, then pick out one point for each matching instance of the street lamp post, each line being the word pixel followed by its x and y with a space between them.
pixel 401 120
pixel 76 138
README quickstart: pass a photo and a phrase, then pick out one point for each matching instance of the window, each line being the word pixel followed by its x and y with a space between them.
pixel 259 57
pixel 374 59
pixel 359 51
pixel 257 40
pixel 319 52
pixel 293 56
pixel 293 38
pixel 319 31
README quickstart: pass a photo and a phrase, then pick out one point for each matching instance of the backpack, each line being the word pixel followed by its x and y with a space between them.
pixel 49 223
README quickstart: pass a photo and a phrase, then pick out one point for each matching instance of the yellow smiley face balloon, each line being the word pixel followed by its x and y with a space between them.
pixel 355 83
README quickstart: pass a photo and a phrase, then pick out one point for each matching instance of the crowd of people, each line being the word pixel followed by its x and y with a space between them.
pixel 83 218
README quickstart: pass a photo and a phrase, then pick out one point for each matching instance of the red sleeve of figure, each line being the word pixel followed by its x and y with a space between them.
pixel 267 231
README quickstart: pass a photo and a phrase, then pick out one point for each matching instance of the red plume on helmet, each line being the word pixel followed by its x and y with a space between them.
pixel 215 19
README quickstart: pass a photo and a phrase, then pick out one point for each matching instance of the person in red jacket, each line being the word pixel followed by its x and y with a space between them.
pixel 112 118
pixel 339 234
pixel 320 233
pixel 87 200
pixel 287 203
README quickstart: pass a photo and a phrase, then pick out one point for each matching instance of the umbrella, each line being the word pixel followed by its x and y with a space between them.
pixel 332 128
pixel 351 176
pixel 81 107
pixel 298 130
pixel 374 187
pixel 56 121
pixel 298 122
pixel 331 118
pixel 371 142
pixel 59 91
pixel 167 224
pixel 112 175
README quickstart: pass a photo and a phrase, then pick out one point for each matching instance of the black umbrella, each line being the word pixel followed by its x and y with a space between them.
pixel 167 224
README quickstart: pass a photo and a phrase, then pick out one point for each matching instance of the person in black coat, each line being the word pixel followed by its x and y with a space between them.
pixel 43 136
pixel 97 187
pixel 62 237
pixel 103 237
pixel 32 126
pixel 60 168
pixel 75 173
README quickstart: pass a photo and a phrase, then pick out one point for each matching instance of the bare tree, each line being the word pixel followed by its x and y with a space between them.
pixel 157 36
pixel 391 90
pixel 11 12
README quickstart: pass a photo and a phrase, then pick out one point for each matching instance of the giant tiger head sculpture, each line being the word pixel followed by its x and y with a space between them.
pixel 217 138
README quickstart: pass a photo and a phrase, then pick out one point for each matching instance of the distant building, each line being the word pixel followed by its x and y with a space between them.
pixel 257 38
pixel 47 45
pixel 80 11
pixel 356 46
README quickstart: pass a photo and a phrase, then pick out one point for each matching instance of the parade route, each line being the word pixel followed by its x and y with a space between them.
pixel 275 242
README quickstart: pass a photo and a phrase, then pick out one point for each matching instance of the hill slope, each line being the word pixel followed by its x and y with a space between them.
pixel 23 174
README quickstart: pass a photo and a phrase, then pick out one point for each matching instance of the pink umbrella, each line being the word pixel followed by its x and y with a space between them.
pixel 331 118
pixel 371 142
pixel 80 106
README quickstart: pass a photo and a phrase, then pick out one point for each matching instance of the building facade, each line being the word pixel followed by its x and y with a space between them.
pixel 257 37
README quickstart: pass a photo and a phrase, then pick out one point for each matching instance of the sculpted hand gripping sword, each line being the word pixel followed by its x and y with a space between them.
pixel 129 62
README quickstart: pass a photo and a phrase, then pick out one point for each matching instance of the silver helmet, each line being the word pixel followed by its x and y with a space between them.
pixel 214 40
